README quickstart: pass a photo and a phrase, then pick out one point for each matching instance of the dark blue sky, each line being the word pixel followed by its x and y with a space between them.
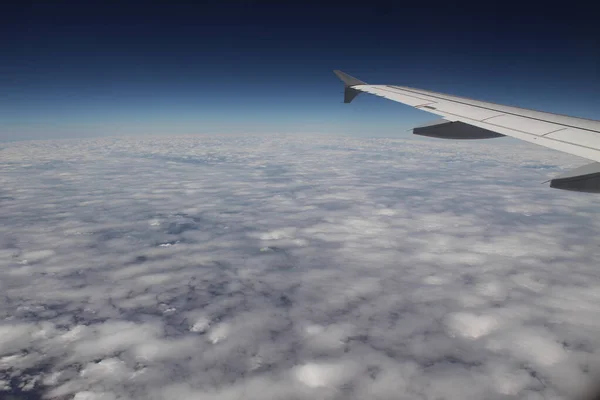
pixel 76 69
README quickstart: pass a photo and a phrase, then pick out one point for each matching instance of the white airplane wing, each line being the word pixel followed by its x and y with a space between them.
pixel 465 118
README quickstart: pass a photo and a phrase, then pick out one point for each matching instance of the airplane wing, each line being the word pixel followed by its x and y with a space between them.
pixel 465 118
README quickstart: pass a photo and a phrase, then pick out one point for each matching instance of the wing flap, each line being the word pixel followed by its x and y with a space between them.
pixel 582 179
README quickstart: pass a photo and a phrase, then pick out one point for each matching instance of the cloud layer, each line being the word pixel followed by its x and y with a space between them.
pixel 294 268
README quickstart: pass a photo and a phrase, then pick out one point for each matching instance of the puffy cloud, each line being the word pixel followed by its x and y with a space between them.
pixel 294 267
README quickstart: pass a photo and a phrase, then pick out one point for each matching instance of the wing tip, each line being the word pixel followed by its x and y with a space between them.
pixel 347 79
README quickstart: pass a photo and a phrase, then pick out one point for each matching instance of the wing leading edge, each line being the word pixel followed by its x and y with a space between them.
pixel 465 118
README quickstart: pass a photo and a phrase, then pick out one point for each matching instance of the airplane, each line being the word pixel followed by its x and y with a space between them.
pixel 464 118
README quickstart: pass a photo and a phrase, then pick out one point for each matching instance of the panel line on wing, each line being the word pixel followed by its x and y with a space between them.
pixel 558 130
pixel 493 116
pixel 492 109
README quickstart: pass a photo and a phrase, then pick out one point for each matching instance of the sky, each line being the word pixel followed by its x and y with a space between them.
pixel 87 69
pixel 277 267
pixel 219 225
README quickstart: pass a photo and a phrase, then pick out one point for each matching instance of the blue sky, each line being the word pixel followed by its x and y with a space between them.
pixel 72 70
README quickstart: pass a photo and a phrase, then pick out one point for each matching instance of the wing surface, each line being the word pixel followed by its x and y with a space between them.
pixel 577 136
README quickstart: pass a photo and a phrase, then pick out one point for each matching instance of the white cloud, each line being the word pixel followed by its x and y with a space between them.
pixel 294 267
pixel 470 326
pixel 317 375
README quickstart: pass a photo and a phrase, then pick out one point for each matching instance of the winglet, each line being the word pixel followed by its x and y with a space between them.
pixel 349 81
